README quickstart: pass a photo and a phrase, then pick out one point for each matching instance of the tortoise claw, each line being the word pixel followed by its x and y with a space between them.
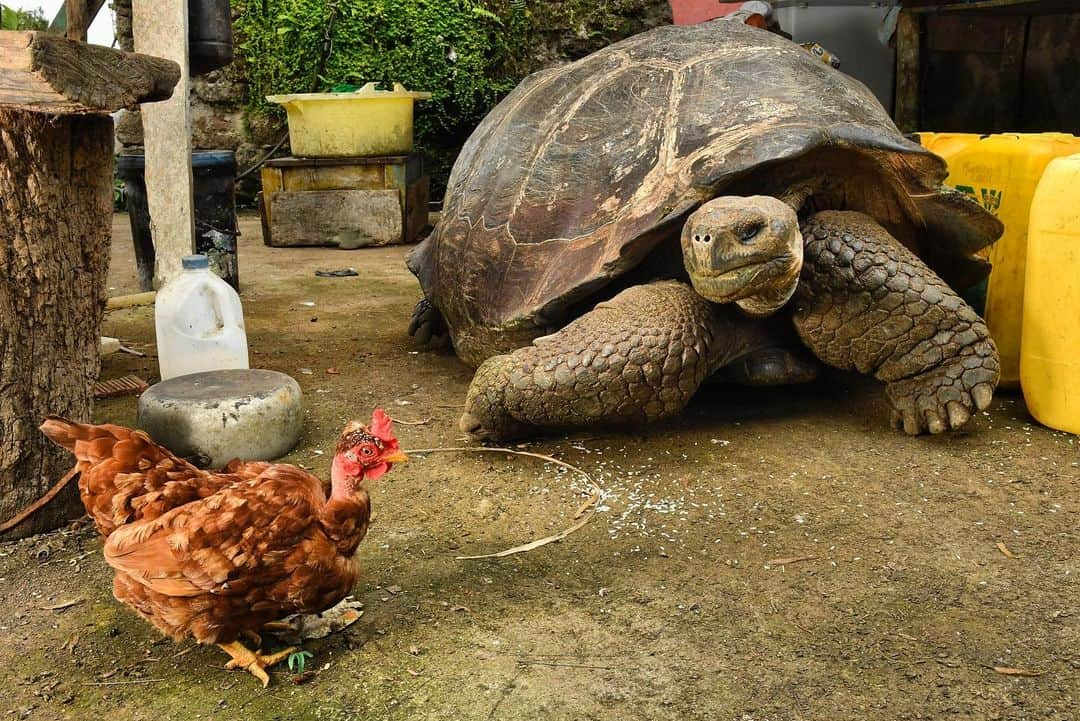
pixel 427 325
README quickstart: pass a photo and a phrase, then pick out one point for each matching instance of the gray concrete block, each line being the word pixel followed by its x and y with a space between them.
pixel 248 414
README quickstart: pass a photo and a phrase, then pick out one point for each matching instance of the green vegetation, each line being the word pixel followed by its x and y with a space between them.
pixel 467 53
pixel 298 660
pixel 11 19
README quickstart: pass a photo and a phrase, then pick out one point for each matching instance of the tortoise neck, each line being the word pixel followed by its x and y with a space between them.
pixel 796 195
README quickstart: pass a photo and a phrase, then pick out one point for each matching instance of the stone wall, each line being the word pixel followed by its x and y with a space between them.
pixel 217 113
pixel 572 30
pixel 565 39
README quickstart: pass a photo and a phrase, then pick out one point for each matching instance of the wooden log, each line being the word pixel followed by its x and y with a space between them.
pixel 56 169
pixel 55 222
pixel 130 301
pixel 51 74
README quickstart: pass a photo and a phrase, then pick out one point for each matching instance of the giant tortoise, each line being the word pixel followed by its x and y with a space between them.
pixel 693 200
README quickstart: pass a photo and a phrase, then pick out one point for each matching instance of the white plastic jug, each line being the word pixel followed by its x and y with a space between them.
pixel 200 322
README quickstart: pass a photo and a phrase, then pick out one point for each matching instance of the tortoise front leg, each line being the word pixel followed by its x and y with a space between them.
pixel 636 358
pixel 866 302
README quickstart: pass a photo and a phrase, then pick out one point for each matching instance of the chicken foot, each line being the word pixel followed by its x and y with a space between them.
pixel 252 662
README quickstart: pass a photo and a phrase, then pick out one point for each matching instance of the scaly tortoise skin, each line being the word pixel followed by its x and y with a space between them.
pixel 695 201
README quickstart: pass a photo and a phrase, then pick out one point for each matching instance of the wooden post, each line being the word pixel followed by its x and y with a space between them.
pixel 161 29
pixel 908 51
pixel 78 20
pixel 56 160
pixel 60 24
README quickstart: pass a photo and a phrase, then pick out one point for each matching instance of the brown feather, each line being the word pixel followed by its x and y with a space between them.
pixel 209 555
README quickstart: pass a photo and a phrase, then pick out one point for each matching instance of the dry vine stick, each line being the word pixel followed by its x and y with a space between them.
pixel 584 513
pixel 39 503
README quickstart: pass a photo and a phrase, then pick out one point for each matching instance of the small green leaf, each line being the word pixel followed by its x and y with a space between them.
pixel 299 660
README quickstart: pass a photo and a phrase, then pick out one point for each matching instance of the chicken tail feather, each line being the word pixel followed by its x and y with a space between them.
pixel 90 444
pixel 64 432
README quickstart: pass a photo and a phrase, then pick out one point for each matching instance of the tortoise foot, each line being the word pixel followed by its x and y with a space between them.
pixel 945 397
pixel 636 358
pixel 866 302
pixel 427 326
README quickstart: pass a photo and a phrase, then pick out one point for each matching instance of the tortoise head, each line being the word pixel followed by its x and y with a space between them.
pixel 744 250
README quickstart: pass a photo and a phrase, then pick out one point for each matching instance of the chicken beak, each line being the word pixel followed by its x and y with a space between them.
pixel 396 457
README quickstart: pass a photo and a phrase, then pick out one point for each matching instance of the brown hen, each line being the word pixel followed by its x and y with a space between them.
pixel 214 556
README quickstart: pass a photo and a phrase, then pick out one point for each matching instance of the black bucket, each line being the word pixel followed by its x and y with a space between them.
pixel 214 174
pixel 210 37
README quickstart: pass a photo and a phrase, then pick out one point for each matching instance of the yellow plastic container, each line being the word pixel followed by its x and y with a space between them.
pixel 364 122
pixel 1050 355
pixel 947 144
pixel 1000 172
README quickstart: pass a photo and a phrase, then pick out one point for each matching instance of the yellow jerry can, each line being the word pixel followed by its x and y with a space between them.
pixel 1050 355
pixel 947 144
pixel 1000 172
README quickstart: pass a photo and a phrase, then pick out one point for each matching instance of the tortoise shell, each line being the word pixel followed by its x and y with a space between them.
pixel 583 169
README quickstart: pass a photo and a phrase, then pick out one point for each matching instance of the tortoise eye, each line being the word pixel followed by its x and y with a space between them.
pixel 748 232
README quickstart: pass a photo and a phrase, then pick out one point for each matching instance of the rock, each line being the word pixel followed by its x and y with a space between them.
pixel 222 415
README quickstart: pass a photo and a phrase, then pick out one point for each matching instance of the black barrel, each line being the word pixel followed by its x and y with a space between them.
pixel 131 169
pixel 210 37
pixel 213 172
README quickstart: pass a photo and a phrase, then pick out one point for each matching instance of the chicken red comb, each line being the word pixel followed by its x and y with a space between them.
pixel 381 425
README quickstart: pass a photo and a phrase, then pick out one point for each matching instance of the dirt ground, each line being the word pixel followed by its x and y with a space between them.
pixel 772 555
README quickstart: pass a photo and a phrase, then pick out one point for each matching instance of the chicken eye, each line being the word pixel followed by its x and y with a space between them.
pixel 367 451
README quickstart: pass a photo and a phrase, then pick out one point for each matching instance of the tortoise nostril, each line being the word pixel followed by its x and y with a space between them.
pixel 697 238
pixel 708 238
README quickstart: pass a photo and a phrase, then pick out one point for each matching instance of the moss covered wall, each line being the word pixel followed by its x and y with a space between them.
pixel 468 53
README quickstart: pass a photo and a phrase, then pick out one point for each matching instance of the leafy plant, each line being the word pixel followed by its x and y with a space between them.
pixel 299 660
pixel 119 196
pixel 457 50
pixel 467 53
pixel 12 19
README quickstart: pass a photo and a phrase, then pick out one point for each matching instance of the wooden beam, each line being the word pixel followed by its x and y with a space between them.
pixel 908 51
pixel 161 28
pixel 46 73
pixel 78 20
pixel 59 24
pixel 994 7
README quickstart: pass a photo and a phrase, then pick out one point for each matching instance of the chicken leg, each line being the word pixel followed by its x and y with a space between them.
pixel 252 662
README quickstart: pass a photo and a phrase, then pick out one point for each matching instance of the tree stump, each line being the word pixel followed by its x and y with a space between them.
pixel 56 169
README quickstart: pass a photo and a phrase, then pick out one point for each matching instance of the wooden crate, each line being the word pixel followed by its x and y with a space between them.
pixel 988 66
pixel 344 202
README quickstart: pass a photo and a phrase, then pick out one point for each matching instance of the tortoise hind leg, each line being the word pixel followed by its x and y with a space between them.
pixel 779 358
pixel 867 303
pixel 428 326
pixel 636 358
pixel 770 366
